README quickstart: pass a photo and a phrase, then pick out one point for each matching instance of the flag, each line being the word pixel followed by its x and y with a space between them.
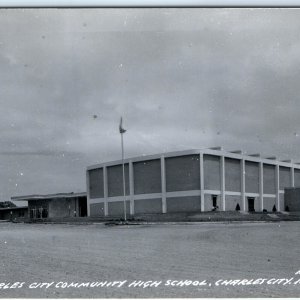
pixel 121 129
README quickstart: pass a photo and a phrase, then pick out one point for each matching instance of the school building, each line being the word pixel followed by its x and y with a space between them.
pixel 61 205
pixel 190 181
pixel 13 213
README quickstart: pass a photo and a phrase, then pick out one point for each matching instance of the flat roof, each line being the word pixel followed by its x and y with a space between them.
pixel 13 208
pixel 48 196
pixel 218 151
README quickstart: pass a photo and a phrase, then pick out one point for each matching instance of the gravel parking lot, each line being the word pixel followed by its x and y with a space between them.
pixel 162 260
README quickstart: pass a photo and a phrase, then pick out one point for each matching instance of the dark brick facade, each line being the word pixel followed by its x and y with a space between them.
pixel 116 208
pixel 232 175
pixel 96 183
pixel 115 180
pixel 269 179
pixel 212 180
pixel 183 173
pixel 148 206
pixel 251 177
pixel 184 204
pixel 147 177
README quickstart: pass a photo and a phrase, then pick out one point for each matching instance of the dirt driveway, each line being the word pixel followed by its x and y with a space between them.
pixel 167 260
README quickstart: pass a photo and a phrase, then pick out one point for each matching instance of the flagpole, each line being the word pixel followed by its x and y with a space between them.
pixel 123 170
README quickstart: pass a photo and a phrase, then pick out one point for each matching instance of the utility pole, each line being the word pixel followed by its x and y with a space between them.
pixel 122 131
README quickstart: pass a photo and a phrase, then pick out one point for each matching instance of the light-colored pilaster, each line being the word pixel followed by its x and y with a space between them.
pixel 243 183
pixel 131 187
pixel 292 177
pixel 202 182
pixel 222 176
pixel 163 184
pixel 87 193
pixel 105 190
pixel 277 187
pixel 261 186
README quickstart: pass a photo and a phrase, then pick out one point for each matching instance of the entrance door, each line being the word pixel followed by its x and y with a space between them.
pixel 251 204
pixel 82 203
pixel 214 200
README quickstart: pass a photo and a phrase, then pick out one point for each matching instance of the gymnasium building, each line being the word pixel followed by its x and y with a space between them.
pixel 190 181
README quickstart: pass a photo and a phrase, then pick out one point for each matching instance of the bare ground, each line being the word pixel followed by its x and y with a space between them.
pixel 39 253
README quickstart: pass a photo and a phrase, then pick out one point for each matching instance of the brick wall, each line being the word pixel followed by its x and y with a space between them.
pixel 281 202
pixel 269 203
pixel 63 207
pixel 251 177
pixel 148 206
pixel 269 179
pixel 97 209
pixel 256 204
pixel 292 199
pixel 232 175
pixel 115 180
pixel 284 177
pixel 116 208
pixel 208 203
pixel 297 177
pixel 96 183
pixel 211 166
pixel 182 173
pixel 232 201
pixel 183 204
pixel 147 177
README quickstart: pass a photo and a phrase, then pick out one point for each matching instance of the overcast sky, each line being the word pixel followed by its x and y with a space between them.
pixel 181 79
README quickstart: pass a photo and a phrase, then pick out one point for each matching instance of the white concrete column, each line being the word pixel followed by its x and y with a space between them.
pixel 202 182
pixel 243 184
pixel 131 187
pixel 222 176
pixel 87 194
pixel 163 184
pixel 261 186
pixel 292 177
pixel 277 187
pixel 105 190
